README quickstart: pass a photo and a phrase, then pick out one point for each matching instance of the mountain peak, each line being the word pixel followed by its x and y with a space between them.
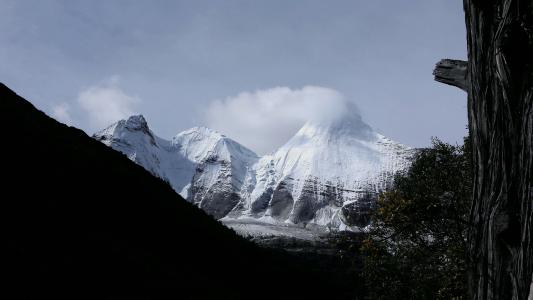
pixel 201 142
pixel 345 150
pixel 342 128
pixel 136 122
pixel 125 127
pixel 202 131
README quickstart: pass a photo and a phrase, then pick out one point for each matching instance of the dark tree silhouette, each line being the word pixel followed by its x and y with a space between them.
pixel 498 78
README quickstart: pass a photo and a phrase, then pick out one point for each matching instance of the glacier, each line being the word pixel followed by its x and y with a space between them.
pixel 326 177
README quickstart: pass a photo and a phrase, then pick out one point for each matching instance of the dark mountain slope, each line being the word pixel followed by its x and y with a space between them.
pixel 82 216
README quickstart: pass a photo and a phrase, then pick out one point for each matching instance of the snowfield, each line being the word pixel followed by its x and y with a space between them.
pixel 250 227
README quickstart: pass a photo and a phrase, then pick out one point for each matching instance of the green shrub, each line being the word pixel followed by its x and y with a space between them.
pixel 416 247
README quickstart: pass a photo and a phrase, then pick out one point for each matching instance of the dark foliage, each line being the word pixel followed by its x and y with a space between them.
pixel 80 216
pixel 417 247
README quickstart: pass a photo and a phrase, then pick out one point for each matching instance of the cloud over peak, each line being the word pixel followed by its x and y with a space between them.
pixel 265 119
pixel 105 104
pixel 97 106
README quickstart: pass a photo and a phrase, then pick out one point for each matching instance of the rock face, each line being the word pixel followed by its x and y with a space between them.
pixel 327 175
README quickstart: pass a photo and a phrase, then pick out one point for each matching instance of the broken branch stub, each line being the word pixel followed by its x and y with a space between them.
pixel 452 72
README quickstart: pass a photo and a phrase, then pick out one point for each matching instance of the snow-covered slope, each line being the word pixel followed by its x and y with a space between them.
pixel 327 175
pixel 202 165
pixel 133 138
pixel 221 165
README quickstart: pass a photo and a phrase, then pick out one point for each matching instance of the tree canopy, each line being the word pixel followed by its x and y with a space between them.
pixel 416 248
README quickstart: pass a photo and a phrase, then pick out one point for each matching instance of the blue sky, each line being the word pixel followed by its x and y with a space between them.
pixel 90 62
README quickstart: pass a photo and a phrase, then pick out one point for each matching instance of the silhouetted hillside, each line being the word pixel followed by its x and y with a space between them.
pixel 82 216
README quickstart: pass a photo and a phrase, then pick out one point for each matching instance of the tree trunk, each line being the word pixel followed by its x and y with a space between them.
pixel 500 110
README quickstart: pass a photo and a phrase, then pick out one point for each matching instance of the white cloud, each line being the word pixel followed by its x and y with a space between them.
pixel 266 119
pixel 97 106
pixel 61 112
pixel 106 103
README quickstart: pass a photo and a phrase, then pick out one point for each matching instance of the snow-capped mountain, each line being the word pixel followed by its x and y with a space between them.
pixel 202 165
pixel 326 175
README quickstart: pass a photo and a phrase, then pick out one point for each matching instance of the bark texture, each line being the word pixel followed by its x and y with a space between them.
pixel 500 110
pixel 500 107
